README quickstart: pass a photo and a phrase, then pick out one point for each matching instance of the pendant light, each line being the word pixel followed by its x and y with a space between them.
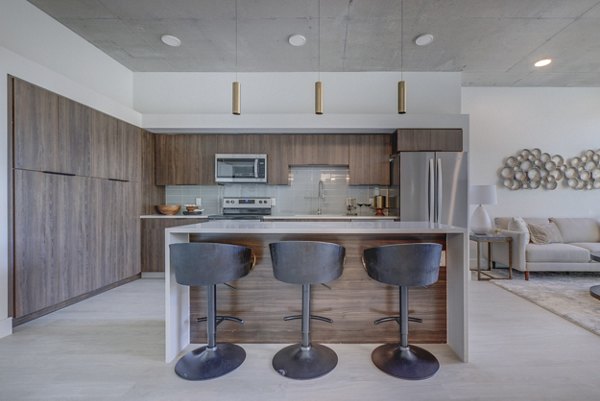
pixel 236 103
pixel 401 83
pixel 319 84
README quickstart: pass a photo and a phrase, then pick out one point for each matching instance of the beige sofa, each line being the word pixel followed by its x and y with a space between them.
pixel 580 237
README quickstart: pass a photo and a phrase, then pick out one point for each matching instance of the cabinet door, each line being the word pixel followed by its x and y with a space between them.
pixel 185 159
pixel 278 149
pixel 319 149
pixel 131 163
pixel 107 149
pixel 369 159
pixel 36 135
pixel 429 140
pixel 74 130
pixel 51 249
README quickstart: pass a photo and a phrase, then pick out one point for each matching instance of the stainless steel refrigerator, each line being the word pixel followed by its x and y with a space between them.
pixel 430 186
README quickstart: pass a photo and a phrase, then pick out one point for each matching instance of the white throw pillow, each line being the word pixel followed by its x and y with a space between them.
pixel 518 224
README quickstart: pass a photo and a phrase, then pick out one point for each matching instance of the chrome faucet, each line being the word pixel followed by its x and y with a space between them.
pixel 320 196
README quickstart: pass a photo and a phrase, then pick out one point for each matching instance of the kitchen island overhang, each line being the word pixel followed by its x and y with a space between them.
pixel 356 235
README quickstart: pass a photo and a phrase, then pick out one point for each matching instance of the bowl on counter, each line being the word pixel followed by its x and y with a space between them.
pixel 168 210
pixel 191 208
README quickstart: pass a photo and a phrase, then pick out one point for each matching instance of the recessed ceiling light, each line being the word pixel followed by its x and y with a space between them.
pixel 543 62
pixel 171 40
pixel 297 40
pixel 424 39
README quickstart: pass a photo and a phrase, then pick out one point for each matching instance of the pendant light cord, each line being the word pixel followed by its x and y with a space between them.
pixel 236 40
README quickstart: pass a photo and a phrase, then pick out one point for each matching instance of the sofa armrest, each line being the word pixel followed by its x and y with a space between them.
pixel 519 245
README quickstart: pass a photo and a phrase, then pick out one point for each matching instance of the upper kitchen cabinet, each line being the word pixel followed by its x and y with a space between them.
pixel 115 148
pixel 241 143
pixel 278 150
pixel 51 133
pixel 185 159
pixel 321 149
pixel 429 140
pixel 369 159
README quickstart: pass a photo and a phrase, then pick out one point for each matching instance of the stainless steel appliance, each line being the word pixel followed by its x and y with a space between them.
pixel 250 208
pixel 431 186
pixel 240 167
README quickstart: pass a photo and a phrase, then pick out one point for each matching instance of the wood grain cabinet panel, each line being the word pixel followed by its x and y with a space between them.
pixel 369 159
pixel 36 134
pixel 278 149
pixel 51 248
pixel 106 150
pixel 430 140
pixel 185 159
pixel 131 161
pixel 319 149
pixel 153 241
pixel 74 129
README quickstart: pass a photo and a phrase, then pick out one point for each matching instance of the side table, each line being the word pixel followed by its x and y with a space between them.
pixel 489 239
pixel 595 290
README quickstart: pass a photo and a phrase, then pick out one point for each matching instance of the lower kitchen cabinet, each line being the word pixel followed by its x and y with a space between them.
pixel 153 241
pixel 72 235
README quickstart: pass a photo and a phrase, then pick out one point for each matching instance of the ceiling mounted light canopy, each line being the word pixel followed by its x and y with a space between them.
pixel 171 40
pixel 543 62
pixel 424 39
pixel 297 40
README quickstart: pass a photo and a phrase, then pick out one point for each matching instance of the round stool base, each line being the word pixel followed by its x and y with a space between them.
pixel 296 363
pixel 412 363
pixel 203 363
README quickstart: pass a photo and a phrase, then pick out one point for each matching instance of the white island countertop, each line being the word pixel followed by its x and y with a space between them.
pixel 177 310
pixel 316 227
pixel 174 216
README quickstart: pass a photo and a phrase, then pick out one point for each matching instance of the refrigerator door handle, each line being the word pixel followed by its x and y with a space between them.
pixel 440 191
pixel 431 192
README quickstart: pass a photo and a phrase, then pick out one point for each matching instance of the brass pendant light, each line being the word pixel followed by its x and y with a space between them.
pixel 236 100
pixel 319 84
pixel 401 83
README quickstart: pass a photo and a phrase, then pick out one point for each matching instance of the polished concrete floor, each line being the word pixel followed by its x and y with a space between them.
pixel 110 347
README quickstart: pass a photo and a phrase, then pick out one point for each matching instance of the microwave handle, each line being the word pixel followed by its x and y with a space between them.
pixel 256 168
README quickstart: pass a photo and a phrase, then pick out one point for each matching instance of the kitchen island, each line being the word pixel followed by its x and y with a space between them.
pixel 353 301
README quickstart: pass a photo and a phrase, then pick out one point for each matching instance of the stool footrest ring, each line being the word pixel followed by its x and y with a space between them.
pixel 220 319
pixel 313 317
pixel 396 319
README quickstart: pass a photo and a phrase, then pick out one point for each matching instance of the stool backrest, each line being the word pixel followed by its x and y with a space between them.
pixel 307 262
pixel 205 263
pixel 407 265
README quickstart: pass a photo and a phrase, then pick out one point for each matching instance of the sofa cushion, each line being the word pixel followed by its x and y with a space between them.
pixel 502 222
pixel 544 233
pixel 590 246
pixel 556 253
pixel 578 229
pixel 518 224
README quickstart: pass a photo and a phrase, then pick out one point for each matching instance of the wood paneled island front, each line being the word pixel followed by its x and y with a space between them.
pixel 353 301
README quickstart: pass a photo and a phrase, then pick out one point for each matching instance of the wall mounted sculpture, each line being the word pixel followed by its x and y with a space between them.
pixel 532 169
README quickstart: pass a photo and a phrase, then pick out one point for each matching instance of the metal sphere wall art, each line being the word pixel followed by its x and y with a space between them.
pixel 532 169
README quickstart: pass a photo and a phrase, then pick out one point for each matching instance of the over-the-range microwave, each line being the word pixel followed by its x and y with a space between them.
pixel 240 167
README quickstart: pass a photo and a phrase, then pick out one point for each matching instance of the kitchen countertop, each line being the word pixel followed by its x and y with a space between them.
pixel 316 227
pixel 277 217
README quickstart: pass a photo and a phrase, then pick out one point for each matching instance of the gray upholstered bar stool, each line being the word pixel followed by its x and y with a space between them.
pixel 404 265
pixel 306 263
pixel 209 264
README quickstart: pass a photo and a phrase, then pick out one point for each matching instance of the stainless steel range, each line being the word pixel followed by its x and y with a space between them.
pixel 247 208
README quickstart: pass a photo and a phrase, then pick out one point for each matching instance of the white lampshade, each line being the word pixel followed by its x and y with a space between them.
pixel 481 223
pixel 482 195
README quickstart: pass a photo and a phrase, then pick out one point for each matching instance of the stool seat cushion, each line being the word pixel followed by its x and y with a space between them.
pixel 407 265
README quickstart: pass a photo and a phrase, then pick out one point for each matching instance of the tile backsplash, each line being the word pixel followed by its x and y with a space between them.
pixel 300 197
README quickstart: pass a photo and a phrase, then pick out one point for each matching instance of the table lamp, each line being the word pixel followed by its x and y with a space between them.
pixel 480 195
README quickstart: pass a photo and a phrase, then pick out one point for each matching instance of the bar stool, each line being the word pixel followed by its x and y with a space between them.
pixel 209 264
pixel 306 263
pixel 404 265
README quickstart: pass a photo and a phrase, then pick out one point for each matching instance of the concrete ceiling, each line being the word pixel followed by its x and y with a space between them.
pixel 493 42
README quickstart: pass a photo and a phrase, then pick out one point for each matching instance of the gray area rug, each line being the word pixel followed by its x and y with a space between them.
pixel 565 294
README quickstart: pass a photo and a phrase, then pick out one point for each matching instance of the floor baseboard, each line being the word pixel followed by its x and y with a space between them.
pixel 153 274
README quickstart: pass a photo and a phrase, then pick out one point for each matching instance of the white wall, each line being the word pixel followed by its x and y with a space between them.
pixel 201 102
pixel 36 48
pixel 564 121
